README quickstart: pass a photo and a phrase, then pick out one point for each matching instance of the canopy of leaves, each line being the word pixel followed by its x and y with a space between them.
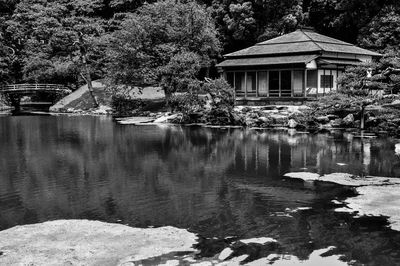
pixel 163 43
pixel 383 32
pixel 150 33
pixel 44 34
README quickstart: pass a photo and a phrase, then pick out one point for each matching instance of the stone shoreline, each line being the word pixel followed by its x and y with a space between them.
pixel 279 117
pixel 377 196
pixel 84 242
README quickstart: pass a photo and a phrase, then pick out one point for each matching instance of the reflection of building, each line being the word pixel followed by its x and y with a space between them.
pixel 293 66
pixel 273 154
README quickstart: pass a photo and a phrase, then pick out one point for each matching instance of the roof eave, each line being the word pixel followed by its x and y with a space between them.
pixel 315 52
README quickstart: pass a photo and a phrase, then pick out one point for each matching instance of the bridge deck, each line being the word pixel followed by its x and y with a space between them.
pixel 33 87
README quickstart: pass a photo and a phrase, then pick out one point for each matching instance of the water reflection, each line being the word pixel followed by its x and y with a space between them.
pixel 217 182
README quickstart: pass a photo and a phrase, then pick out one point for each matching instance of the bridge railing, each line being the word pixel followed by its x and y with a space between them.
pixel 34 87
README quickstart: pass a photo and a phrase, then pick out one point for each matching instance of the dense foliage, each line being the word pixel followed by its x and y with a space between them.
pixel 169 42
pixel 384 77
pixel 163 43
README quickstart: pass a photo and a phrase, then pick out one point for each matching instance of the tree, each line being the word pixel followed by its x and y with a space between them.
pixel 164 43
pixel 5 61
pixel 383 32
pixel 59 41
pixel 383 77
pixel 242 23
pixel 343 19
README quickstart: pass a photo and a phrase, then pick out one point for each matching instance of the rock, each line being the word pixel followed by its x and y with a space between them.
pixel 253 115
pixel 348 120
pixel 225 254
pixel 250 122
pixel 135 120
pixel 166 118
pixel 279 119
pixel 83 242
pixel 337 122
pixel 246 109
pixel 265 119
pixel 345 179
pixel 376 201
pixel 292 123
pixel 259 240
pixel 332 117
pixel 322 119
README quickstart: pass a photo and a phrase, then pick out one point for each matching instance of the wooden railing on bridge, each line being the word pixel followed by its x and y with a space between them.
pixel 34 87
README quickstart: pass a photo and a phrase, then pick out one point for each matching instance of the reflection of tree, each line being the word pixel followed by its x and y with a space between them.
pixel 215 181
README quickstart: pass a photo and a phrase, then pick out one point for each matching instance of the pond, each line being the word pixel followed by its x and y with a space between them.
pixel 217 183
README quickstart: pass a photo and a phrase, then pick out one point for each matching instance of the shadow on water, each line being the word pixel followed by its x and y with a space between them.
pixel 215 182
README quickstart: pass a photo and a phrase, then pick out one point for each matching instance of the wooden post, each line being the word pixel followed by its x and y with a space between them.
pixel 234 84
pixel 337 75
pixel 256 84
pixel 305 83
pixel 292 83
pixel 323 92
pixel 245 84
pixel 267 77
pixel 318 83
pixel 279 86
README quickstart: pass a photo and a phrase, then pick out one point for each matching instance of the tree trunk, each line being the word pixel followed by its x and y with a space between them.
pixel 86 76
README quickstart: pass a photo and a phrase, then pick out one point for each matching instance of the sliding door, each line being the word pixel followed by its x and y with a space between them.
pixel 273 83
pixel 263 83
pixel 286 83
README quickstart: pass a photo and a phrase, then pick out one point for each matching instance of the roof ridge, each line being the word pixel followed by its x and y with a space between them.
pixel 312 40
pixel 277 43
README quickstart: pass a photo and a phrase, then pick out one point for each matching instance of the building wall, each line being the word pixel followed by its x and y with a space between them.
pixel 259 83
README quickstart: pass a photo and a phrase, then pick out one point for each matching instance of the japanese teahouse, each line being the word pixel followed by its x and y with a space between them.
pixel 295 66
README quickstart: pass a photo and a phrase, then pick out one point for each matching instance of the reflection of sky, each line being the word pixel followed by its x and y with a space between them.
pixel 218 182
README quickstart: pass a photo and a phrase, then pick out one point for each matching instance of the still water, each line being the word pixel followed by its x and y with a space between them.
pixel 214 182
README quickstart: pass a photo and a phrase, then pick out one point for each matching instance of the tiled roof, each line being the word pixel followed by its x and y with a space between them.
pixel 265 61
pixel 301 41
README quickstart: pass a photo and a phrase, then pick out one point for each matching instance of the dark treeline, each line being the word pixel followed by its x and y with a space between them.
pixel 45 41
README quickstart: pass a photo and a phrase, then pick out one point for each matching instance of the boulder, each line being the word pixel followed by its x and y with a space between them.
pixel 337 122
pixel 332 117
pixel 322 119
pixel 279 119
pixel 349 119
pixel 292 123
pixel 250 122
pixel 83 242
pixel 265 119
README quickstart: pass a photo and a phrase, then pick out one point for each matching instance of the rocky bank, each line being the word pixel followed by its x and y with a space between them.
pixel 83 242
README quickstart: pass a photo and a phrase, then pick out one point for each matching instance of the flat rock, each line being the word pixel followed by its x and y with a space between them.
pixel 376 201
pixel 225 254
pixel 259 240
pixel 83 242
pixel 135 120
pixel 165 119
pixel 345 179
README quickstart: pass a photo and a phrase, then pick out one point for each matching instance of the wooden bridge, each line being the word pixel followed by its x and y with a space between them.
pixel 15 92
pixel 32 88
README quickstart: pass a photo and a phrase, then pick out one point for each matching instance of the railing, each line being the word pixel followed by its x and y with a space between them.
pixel 33 87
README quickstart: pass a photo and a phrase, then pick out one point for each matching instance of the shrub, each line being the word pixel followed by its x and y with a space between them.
pixel 125 106
pixel 221 93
